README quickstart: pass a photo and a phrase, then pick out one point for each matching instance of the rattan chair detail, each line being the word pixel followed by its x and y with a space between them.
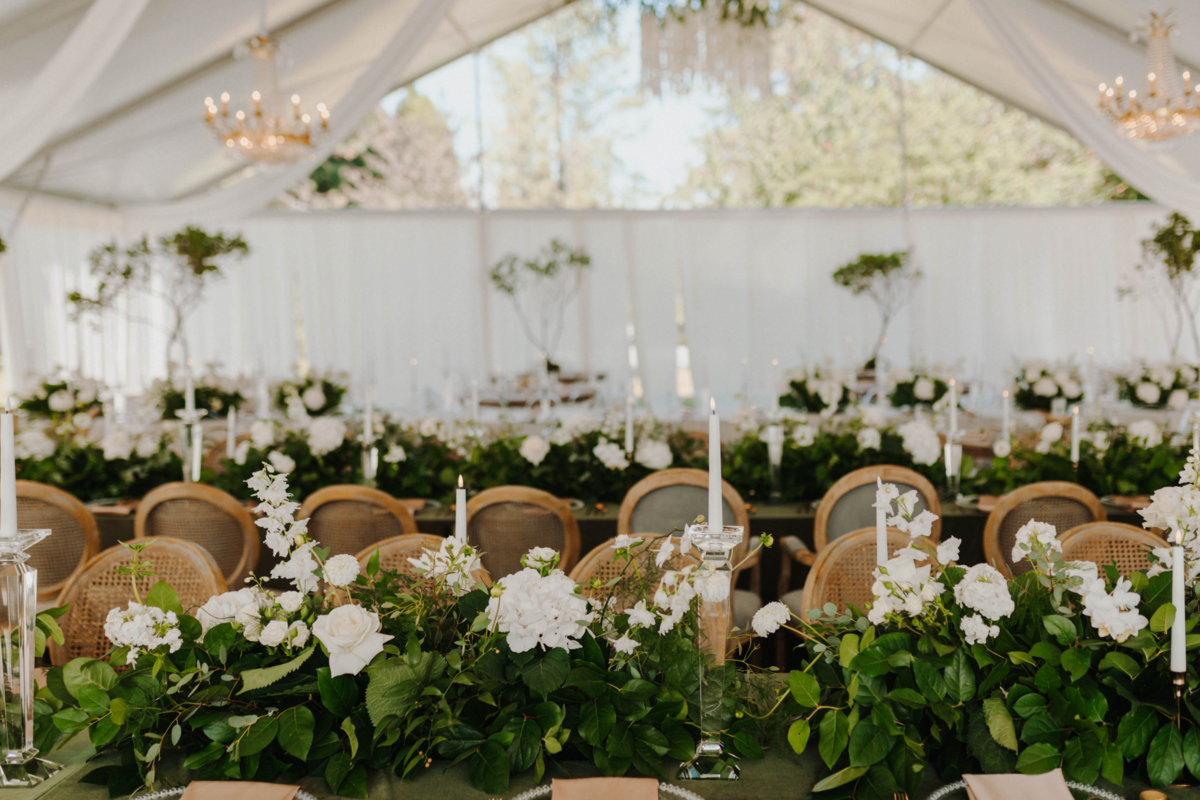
pixel 208 517
pixel 599 564
pixel 864 481
pixel 844 571
pixel 506 521
pixel 188 568
pixel 664 480
pixel 1060 503
pixel 74 537
pixel 349 518
pixel 1104 543
pixel 394 554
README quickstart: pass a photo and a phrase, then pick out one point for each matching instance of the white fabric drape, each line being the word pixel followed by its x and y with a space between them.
pixel 256 191
pixel 379 289
pixel 64 80
pixel 1066 71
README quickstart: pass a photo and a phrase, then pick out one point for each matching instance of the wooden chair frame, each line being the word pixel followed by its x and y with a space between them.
pixel 67 502
pixel 536 497
pixel 359 494
pixel 1132 532
pixel 992 553
pixel 102 562
pixel 214 496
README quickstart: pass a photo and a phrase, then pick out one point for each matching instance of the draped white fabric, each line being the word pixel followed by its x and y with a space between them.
pixel 1066 71
pixel 376 290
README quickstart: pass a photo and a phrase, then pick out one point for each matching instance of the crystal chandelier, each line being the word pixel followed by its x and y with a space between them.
pixel 1168 109
pixel 269 134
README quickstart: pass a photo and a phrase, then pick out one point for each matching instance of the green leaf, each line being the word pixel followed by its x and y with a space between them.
pixel 873 661
pixel 1135 730
pixel 118 709
pixel 1046 652
pixel 161 595
pixel 526 742
pixel 458 739
pixel 638 689
pixel 1163 618
pixel 980 743
pixel 351 736
pixel 1121 661
pixel 1082 758
pixel 339 694
pixel 1042 728
pixel 1020 657
pixel 50 626
pixel 834 731
pixel 798 734
pixel 93 700
pixel 1000 723
pixel 355 783
pixel 1047 679
pixel 336 771
pixel 908 697
pixel 1060 628
pixel 1038 758
pixel 546 673
pixel 877 784
pixel 1164 761
pixel 1076 661
pixel 805 689
pixel 929 680
pixel 259 678
pixel 840 778
pixel 960 678
pixel 848 649
pixel 1112 767
pixel 257 736
pixel 1028 705
pixel 213 752
pixel 747 745
pixel 488 768
pixel 1191 750
pixel 103 732
pixel 71 719
pixel 80 672
pixel 296 727
pixel 395 685
pixel 868 745
pixel 596 720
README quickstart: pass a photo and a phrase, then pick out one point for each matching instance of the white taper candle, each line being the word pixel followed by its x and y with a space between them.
pixel 197 451
pixel 881 547
pixel 231 432
pixel 774 385
pixel 189 390
pixel 1006 430
pixel 369 417
pixel 460 512
pixel 715 516
pixel 629 425
pixel 1075 435
pixel 953 407
pixel 1178 635
pixel 8 472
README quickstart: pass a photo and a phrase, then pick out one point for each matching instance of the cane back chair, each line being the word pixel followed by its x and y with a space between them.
pixel 349 518
pixel 1059 503
pixel 74 536
pixel 208 517
pixel 1105 543
pixel 394 554
pixel 506 521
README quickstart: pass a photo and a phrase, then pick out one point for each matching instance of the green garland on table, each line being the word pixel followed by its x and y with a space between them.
pixel 904 390
pixel 213 399
pixel 60 400
pixel 1158 386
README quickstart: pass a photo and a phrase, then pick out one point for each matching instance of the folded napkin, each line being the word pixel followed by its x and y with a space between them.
pixel 604 789
pixel 1047 786
pixel 238 790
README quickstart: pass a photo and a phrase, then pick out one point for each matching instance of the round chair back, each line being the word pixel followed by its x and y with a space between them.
pixel 1105 543
pixel 849 505
pixel 505 522
pixel 598 566
pixel 74 536
pixel 349 518
pixel 98 588
pixel 394 554
pixel 1063 505
pixel 843 571
pixel 208 517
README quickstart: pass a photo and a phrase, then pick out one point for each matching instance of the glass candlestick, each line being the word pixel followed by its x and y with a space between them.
pixel 775 459
pixel 18 610
pixel 711 762
pixel 193 443
pixel 953 457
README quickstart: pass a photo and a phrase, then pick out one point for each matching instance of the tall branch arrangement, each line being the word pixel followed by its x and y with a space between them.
pixel 174 269
pixel 886 278
pixel 1167 277
pixel 541 288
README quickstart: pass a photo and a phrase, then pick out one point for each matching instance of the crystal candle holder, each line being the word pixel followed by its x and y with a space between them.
pixel 953 457
pixel 18 612
pixel 714 617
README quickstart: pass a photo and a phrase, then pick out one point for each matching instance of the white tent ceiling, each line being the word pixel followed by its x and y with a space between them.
pixel 136 140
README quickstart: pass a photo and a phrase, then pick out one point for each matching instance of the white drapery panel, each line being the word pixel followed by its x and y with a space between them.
pixel 376 290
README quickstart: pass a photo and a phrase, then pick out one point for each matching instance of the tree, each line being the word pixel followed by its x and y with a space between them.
pixel 555 146
pixel 1167 277
pixel 541 288
pixel 391 162
pixel 886 278
pixel 827 135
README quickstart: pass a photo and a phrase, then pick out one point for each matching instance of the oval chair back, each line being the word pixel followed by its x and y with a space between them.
pixel 849 505
pixel 506 521
pixel 1105 543
pixel 208 517
pixel 350 518
pixel 599 566
pixel 97 589
pixel 1064 505
pixel 394 554
pixel 843 571
pixel 74 536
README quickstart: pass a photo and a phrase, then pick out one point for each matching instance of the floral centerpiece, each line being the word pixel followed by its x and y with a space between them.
pixel 961 670
pixel 318 395
pixel 1158 385
pixel 63 398
pixel 214 393
pixel 913 388
pixel 1039 384
pixel 820 391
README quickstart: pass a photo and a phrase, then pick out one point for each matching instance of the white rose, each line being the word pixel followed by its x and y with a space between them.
pixel 1071 390
pixel 1051 433
pixel 86 394
pixel 313 397
pixel 223 608
pixel 298 633
pixel 1045 387
pixel 341 570
pixel 33 443
pixel 923 389
pixel 395 454
pixel 611 454
pixel 653 455
pixel 325 435
pixel 262 433
pixel 1146 433
pixel 351 635
pixel 82 421
pixel 274 633
pixel 869 439
pixel 1178 399
pixel 281 462
pixel 872 416
pixel 1148 393
pixel 61 401
pixel 116 445
pixel 534 449
pixel 291 601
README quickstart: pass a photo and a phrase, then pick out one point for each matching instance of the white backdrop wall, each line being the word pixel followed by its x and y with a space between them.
pixel 376 290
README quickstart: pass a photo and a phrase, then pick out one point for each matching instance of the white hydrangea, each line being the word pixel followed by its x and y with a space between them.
pixel 325 434
pixel 1033 538
pixel 395 454
pixel 262 433
pixel 869 439
pixel 901 585
pixel 977 631
pixel 117 445
pixel 985 590
pixel 281 462
pixel 61 401
pixel 611 454
pixel 921 441
pixel 452 563
pixel 147 445
pixel 1148 393
pixel 534 449
pixel 543 559
pixel 341 570
pixel 1178 399
pixel 1045 387
pixel 653 455
pixel 142 628
pixel 804 434
pixel 923 389
pixel 33 443
pixel 1072 389
pixel 223 607
pixel 768 618
pixel 1146 432
pixel 313 397
pixel 429 427
pixel 534 610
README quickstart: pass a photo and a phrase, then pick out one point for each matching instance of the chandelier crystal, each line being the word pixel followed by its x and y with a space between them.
pixel 271 133
pixel 1169 108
